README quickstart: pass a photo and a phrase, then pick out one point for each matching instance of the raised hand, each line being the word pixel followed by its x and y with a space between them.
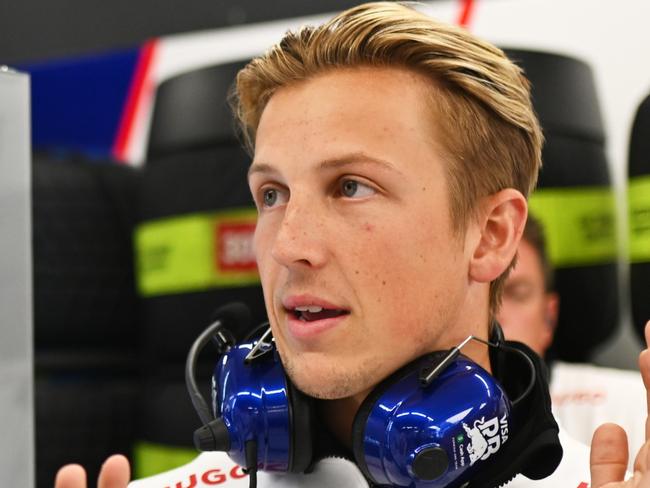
pixel 609 452
pixel 115 473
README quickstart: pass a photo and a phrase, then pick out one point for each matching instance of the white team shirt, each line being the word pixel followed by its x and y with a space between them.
pixel 212 469
pixel 586 396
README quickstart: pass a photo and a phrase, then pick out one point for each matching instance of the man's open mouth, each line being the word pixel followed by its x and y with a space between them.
pixel 312 313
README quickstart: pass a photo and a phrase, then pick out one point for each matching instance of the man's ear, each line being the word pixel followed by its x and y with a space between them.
pixel 502 217
pixel 552 309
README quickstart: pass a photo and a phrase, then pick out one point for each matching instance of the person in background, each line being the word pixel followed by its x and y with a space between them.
pixel 392 157
pixel 584 396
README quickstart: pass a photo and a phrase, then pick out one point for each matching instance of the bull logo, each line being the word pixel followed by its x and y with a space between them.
pixel 485 437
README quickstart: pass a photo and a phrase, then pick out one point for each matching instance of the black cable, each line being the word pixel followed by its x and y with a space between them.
pixel 200 405
pixel 252 479
pixel 533 374
pixel 213 435
pixel 251 463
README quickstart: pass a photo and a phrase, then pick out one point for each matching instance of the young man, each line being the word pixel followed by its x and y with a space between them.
pixel 584 396
pixel 392 159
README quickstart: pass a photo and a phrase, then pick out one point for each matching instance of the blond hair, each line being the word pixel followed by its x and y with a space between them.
pixel 490 135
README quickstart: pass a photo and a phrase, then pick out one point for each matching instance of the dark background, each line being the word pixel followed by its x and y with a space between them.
pixel 34 30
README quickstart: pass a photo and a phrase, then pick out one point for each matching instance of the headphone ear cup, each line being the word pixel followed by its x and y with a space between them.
pixel 440 433
pixel 301 429
pixel 257 401
pixel 368 406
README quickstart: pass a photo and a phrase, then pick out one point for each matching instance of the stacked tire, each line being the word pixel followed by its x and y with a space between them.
pixel 575 201
pixel 639 218
pixel 85 313
pixel 193 246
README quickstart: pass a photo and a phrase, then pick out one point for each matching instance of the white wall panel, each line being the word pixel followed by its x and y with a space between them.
pixel 16 411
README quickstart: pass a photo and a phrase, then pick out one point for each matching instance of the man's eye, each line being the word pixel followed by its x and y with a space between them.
pixel 519 293
pixel 270 197
pixel 355 189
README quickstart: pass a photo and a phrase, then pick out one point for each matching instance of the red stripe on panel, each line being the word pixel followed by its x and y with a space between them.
pixel 466 8
pixel 140 84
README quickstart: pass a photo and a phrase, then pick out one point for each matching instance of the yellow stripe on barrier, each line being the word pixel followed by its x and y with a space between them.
pixel 196 252
pixel 638 194
pixel 579 223
pixel 150 458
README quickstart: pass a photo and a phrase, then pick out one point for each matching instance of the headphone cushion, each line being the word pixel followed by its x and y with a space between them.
pixel 301 412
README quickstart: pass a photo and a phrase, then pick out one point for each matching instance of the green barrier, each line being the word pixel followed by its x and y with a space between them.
pixel 150 458
pixel 579 223
pixel 638 194
pixel 196 252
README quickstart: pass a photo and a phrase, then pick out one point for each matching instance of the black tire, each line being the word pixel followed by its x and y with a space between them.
pixel 84 292
pixel 82 419
pixel 178 185
pixel 639 170
pixel 565 98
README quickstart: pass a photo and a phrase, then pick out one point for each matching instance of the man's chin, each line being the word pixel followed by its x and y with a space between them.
pixel 320 393
pixel 331 379
pixel 328 386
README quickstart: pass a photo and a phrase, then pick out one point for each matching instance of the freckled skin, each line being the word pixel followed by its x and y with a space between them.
pixel 318 242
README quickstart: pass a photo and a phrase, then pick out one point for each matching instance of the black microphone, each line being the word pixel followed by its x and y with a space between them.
pixel 212 435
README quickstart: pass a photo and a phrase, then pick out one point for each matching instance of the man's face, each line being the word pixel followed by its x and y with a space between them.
pixel 360 269
pixel 528 312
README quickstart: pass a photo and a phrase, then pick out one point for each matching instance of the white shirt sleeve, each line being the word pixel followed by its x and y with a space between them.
pixel 586 396
pixel 573 471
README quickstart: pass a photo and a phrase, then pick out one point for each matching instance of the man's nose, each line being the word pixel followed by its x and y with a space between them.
pixel 301 239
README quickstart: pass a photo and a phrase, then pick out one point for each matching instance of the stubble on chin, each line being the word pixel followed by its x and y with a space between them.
pixel 331 381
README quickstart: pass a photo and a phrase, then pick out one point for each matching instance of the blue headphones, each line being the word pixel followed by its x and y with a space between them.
pixel 435 423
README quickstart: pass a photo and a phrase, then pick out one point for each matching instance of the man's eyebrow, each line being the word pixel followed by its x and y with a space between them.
pixel 357 158
pixel 260 168
pixel 333 163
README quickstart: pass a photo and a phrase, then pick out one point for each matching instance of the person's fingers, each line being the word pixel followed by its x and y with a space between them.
pixel 115 473
pixel 644 465
pixel 70 476
pixel 609 455
pixel 644 367
pixel 641 477
pixel 641 462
